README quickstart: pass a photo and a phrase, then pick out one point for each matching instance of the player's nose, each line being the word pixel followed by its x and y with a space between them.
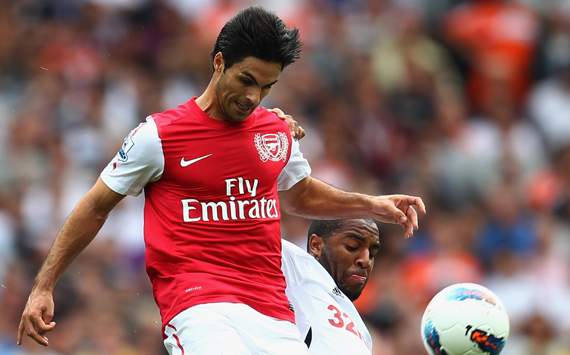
pixel 253 96
pixel 363 261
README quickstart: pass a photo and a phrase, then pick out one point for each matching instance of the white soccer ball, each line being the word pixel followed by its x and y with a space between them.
pixel 465 319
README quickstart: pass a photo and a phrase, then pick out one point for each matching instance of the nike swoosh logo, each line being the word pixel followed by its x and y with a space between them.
pixel 185 163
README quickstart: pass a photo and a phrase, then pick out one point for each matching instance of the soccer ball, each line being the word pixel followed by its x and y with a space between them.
pixel 465 319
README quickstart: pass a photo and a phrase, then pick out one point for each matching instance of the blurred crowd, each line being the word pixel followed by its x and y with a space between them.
pixel 465 103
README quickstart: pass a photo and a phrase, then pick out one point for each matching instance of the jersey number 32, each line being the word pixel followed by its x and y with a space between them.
pixel 342 320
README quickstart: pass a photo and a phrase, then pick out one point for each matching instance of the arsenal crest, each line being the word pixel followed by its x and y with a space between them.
pixel 271 146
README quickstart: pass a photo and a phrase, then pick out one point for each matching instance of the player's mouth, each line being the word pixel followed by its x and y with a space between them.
pixel 243 109
pixel 357 279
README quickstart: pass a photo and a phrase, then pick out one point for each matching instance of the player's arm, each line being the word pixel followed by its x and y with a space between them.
pixel 139 162
pixel 77 232
pixel 315 199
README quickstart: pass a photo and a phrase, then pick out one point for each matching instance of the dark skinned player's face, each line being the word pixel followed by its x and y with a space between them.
pixel 241 87
pixel 348 255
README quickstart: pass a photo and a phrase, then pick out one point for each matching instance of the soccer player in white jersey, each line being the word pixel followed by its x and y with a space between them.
pixel 215 171
pixel 323 281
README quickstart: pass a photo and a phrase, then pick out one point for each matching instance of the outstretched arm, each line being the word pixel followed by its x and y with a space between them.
pixel 77 232
pixel 315 199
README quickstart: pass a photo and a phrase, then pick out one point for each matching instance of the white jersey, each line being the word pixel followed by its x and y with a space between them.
pixel 326 318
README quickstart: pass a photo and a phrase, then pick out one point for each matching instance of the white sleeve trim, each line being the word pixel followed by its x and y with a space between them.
pixel 139 161
pixel 297 169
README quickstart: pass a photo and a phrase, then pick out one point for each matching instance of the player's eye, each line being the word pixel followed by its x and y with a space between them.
pixel 351 248
pixel 246 81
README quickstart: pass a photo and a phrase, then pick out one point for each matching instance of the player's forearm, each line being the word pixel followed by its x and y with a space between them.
pixel 77 232
pixel 318 200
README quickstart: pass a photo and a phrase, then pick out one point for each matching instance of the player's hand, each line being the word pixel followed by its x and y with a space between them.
pixel 297 131
pixel 37 317
pixel 399 209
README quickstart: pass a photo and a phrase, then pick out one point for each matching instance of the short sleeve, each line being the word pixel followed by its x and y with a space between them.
pixel 297 168
pixel 139 161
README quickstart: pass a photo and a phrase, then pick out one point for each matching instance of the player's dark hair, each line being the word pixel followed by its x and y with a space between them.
pixel 258 33
pixel 326 228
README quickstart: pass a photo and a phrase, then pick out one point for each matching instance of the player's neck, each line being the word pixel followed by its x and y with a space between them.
pixel 208 102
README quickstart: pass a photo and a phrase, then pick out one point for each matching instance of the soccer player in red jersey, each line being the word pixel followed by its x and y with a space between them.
pixel 215 171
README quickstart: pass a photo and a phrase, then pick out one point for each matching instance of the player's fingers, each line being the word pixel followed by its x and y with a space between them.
pixel 20 332
pixel 404 220
pixel 300 133
pixel 293 127
pixel 413 217
pixel 285 117
pixel 279 112
pixel 40 325
pixel 395 215
pixel 409 230
pixel 31 331
pixel 48 316
pixel 295 131
pixel 419 203
pixel 46 327
pixel 415 201
pixel 290 122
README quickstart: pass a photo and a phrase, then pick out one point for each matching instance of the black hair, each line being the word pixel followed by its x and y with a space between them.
pixel 326 228
pixel 258 33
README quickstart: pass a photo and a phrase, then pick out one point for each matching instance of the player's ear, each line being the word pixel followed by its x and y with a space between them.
pixel 316 245
pixel 218 62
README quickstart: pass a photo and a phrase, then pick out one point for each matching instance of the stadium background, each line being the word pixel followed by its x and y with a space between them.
pixel 466 103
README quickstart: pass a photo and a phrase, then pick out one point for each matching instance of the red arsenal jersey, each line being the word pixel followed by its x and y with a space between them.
pixel 211 217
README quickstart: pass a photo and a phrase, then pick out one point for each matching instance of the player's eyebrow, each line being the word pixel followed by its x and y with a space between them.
pixel 361 238
pixel 250 76
pixel 354 235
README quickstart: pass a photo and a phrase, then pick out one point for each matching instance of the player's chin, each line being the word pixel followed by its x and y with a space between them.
pixel 238 118
pixel 353 295
pixel 352 291
pixel 235 117
pixel 240 113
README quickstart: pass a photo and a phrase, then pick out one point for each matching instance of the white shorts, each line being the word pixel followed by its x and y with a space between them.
pixel 230 329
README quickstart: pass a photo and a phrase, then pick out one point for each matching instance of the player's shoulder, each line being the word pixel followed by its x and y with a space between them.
pixel 142 143
pixel 297 264
pixel 294 257
pixel 292 249
pixel 263 115
pixel 172 115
